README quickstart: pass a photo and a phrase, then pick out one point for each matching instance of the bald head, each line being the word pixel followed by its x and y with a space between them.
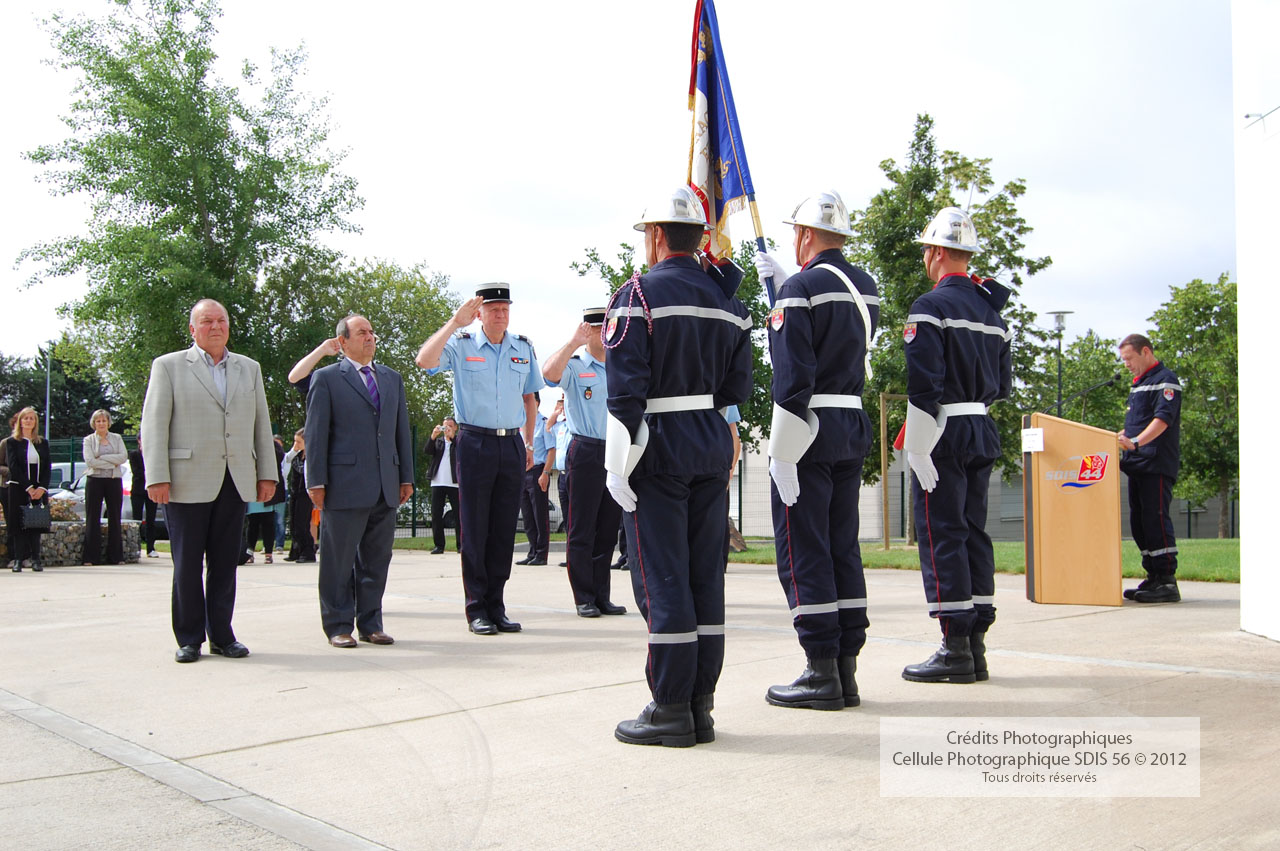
pixel 210 327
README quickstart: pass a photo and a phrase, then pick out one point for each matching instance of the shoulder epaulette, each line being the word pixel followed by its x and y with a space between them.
pixel 464 335
pixel 521 337
pixel 576 357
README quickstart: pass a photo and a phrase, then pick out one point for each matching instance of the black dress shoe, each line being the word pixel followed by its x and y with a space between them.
pixel 539 560
pixel 234 650
pixel 588 610
pixel 620 564
pixel 564 564
pixel 437 551
pixel 505 625
pixel 608 608
pixel 482 626
pixel 187 653
pixel 525 560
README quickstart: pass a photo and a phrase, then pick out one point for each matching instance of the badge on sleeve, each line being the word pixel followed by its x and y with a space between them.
pixel 1168 394
pixel 775 318
pixel 611 328
pixel 909 332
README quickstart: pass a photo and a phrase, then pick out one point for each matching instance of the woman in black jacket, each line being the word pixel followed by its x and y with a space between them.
pixel 27 457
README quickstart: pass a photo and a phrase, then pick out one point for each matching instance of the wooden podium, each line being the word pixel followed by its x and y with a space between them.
pixel 1072 517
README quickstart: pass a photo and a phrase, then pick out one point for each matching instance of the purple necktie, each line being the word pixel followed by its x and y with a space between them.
pixel 373 387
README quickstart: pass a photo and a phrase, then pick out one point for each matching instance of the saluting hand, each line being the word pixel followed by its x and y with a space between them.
pixel 467 314
pixel 583 335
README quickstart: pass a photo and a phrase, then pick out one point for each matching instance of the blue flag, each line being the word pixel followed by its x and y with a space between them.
pixel 718 171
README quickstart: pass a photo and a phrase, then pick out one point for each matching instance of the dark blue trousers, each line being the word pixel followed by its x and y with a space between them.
pixel 957 562
pixel 592 519
pixel 534 508
pixel 205 540
pixel 675 543
pixel 1150 523
pixel 490 472
pixel 819 562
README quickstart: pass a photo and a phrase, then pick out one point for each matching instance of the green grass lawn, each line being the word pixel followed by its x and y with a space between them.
pixel 1199 559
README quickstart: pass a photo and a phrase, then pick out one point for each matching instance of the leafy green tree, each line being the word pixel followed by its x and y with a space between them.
pixel 194 188
pixel 1086 361
pixel 1196 336
pixel 76 390
pixel 757 411
pixel 884 245
pixel 302 301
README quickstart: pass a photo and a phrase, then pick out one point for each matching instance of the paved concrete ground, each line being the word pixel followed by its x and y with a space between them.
pixel 449 740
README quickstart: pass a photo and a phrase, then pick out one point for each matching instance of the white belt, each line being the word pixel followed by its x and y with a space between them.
pixel 964 409
pixel 672 404
pixel 835 400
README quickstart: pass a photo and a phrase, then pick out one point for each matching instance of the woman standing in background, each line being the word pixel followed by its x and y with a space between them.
pixel 105 456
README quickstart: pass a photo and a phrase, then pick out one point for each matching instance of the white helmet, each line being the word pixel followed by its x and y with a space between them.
pixel 951 228
pixel 680 207
pixel 824 211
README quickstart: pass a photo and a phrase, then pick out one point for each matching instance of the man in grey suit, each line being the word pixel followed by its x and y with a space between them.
pixel 359 470
pixel 207 447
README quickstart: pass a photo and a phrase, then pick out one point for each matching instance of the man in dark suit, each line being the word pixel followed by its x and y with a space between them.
pixel 359 470
pixel 207 444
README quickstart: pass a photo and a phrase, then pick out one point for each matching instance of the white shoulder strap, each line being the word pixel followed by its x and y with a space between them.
pixel 861 304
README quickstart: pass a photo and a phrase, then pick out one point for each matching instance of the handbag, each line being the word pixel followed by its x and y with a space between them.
pixel 34 517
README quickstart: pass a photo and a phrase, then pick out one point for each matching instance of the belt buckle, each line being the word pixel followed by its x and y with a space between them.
pixel 502 432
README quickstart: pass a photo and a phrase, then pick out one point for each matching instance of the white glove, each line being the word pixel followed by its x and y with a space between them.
pixel 786 478
pixel 922 466
pixel 767 267
pixel 621 490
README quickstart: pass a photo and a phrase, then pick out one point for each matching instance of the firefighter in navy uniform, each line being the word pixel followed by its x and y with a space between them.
pixel 680 350
pixel 820 332
pixel 958 363
pixel 591 515
pixel 1150 460
pixel 495 376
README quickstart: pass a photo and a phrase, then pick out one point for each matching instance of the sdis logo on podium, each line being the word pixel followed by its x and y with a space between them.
pixel 1092 469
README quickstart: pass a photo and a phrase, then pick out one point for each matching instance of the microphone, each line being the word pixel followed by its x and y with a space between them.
pixel 1085 392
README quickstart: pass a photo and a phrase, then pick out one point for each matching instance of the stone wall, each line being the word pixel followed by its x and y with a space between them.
pixel 64 543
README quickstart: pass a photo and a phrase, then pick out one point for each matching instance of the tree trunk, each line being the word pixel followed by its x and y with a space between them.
pixel 1224 509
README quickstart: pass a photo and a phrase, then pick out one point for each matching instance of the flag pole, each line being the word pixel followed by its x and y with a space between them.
pixel 755 222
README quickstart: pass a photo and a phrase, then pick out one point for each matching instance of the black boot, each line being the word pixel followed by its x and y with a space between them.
pixel 1142 586
pixel 978 647
pixel 848 666
pixel 666 724
pixel 817 688
pixel 703 725
pixel 1163 589
pixel 952 662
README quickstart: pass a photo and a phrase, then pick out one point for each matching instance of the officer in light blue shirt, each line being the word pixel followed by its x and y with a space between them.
pixel 592 515
pixel 495 377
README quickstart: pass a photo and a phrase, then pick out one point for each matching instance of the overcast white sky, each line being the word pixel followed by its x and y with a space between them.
pixel 497 141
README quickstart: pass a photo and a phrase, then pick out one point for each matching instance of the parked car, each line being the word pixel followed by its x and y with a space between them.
pixel 74 493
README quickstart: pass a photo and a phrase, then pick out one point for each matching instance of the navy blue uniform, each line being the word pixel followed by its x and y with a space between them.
pixel 1153 468
pixel 680 344
pixel 818 341
pixel 958 363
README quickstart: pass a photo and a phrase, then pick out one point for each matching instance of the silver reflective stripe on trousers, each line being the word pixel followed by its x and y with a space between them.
pixel 951 606
pixel 984 601
pixel 1166 551
pixel 672 404
pixel 814 609
pixel 673 637
pixel 835 400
